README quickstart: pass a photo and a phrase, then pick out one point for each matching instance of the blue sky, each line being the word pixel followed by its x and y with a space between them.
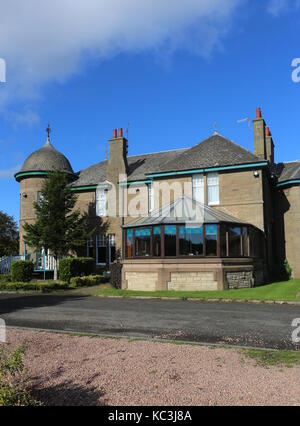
pixel 171 71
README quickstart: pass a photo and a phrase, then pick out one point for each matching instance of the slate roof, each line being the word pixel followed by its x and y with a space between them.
pixel 184 211
pixel 214 151
pixel 46 159
pixel 138 167
pixel 288 171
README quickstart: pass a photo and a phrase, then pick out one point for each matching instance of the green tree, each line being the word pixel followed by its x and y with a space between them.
pixel 9 235
pixel 58 227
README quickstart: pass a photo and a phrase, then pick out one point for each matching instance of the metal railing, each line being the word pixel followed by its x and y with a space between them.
pixel 5 263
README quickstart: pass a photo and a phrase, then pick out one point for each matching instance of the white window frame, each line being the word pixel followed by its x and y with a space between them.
pixel 213 181
pixel 198 188
pixel 101 201
pixel 150 197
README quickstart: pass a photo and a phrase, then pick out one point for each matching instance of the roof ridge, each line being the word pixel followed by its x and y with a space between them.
pixel 159 152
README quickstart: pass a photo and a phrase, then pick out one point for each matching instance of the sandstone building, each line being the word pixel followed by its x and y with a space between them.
pixel 249 208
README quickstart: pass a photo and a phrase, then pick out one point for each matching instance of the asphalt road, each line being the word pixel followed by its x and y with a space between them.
pixel 267 326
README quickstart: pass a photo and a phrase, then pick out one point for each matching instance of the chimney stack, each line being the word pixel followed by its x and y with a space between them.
pixel 117 161
pixel 270 147
pixel 260 135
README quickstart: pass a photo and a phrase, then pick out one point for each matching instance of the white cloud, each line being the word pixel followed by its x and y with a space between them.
pixel 277 7
pixel 49 40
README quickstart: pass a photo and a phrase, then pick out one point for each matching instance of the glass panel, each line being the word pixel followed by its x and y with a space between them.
pixel 211 238
pixel 223 240
pixel 256 243
pixel 191 241
pixel 245 241
pixel 198 188
pixel 170 240
pixel 101 249
pixel 129 243
pixel 213 188
pixel 234 236
pixel 151 197
pixel 112 247
pixel 157 241
pixel 90 248
pixel 142 242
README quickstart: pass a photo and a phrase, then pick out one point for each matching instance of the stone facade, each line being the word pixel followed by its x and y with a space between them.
pixel 237 280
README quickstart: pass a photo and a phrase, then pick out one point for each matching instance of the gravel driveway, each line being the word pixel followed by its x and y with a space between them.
pixel 68 370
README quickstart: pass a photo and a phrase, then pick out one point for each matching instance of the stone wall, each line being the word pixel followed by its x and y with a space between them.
pixel 239 279
pixel 192 281
pixel 141 281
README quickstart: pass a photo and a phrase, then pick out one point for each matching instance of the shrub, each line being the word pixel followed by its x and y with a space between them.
pixel 116 275
pixel 287 269
pixel 75 267
pixel 87 281
pixel 22 271
pixel 13 380
pixel 42 286
pixel 5 278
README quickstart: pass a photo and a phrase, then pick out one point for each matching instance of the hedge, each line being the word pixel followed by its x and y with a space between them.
pixel 75 267
pixel 87 281
pixel 33 286
pixel 21 271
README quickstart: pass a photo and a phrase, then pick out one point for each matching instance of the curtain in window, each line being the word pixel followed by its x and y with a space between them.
pixel 101 202
pixel 213 188
pixel 198 188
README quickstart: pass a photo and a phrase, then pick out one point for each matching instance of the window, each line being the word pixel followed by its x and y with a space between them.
pixel 142 242
pixel 190 241
pixel 198 188
pixel 157 241
pixel 151 197
pixel 223 241
pixel 101 202
pixel 211 238
pixel 101 250
pixel 213 188
pixel 90 248
pixel 129 243
pixel 39 198
pixel 170 240
pixel 234 238
pixel 112 248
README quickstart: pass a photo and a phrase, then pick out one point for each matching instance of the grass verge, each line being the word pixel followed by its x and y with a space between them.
pixel 279 291
pixel 268 358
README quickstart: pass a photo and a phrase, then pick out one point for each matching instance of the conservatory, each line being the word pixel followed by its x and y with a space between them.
pixel 190 246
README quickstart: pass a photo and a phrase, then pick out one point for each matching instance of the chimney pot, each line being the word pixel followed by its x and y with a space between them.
pixel 115 134
pixel 268 131
pixel 258 112
pixel 120 133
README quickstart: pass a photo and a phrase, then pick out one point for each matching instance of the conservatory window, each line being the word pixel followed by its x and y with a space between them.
pixel 211 239
pixel 101 198
pixel 142 242
pixel 157 241
pixel 198 188
pixel 234 237
pixel 213 188
pixel 170 240
pixel 245 241
pixel 190 241
pixel 129 243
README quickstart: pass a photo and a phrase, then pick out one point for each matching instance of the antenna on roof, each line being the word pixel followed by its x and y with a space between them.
pixel 244 120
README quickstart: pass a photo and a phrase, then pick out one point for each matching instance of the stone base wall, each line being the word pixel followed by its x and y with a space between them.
pixel 141 281
pixel 241 279
pixel 193 281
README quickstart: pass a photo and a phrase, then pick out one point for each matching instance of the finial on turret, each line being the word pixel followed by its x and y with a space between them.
pixel 48 130
pixel 215 127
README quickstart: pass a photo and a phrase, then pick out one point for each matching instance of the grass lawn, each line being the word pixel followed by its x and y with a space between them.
pixel 268 358
pixel 285 291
